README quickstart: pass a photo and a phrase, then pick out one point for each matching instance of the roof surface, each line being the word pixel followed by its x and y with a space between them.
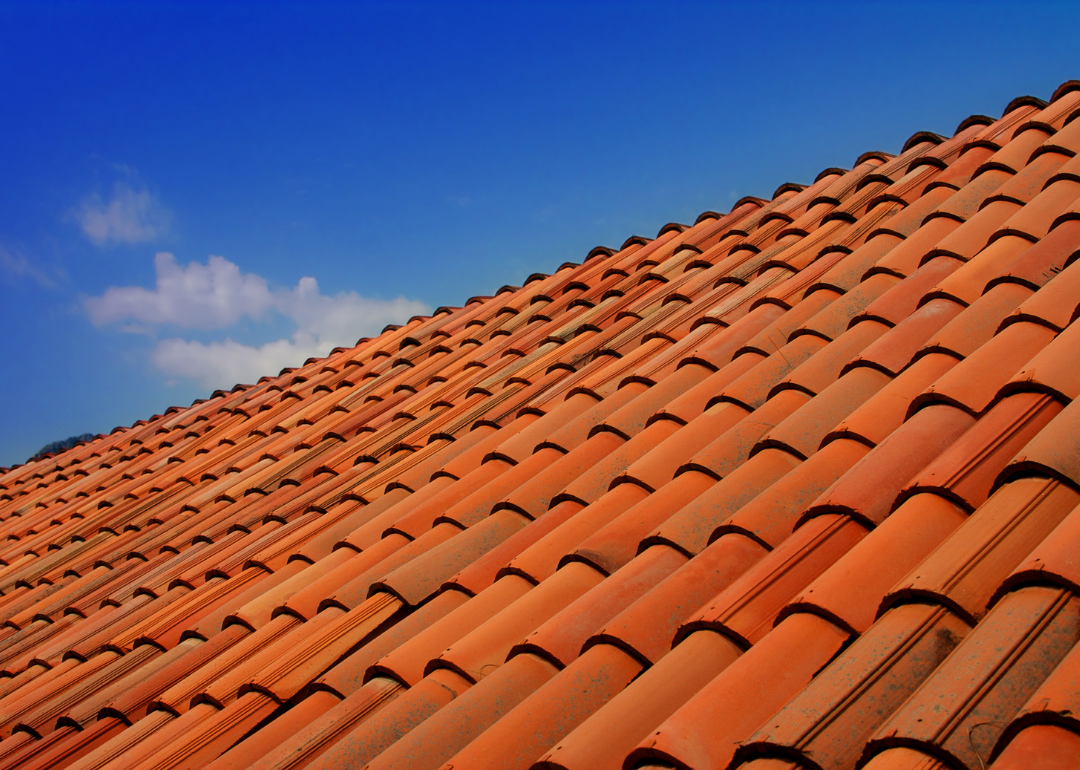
pixel 795 487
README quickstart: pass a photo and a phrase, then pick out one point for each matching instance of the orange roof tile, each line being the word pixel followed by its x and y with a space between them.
pixel 791 488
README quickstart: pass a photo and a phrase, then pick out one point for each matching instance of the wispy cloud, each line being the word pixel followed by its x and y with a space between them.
pixel 132 214
pixel 17 266
pixel 217 295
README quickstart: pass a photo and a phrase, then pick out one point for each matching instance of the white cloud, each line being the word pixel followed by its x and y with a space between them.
pixel 344 316
pixel 223 364
pixel 217 295
pixel 210 296
pixel 131 215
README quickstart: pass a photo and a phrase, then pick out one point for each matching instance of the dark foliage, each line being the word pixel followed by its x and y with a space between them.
pixel 60 446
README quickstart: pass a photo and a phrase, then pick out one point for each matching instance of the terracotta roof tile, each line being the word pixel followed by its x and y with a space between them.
pixel 693 526
pixel 805 430
pixel 968 470
pixel 850 591
pixel 1052 451
pixel 615 729
pixel 987 679
pixel 747 609
pixel 1050 562
pixel 829 722
pixel 709 726
pixel 773 515
pixel 541 559
pixel 1052 747
pixel 977 323
pixel 871 489
pixel 965 570
pixel 975 383
pixel 816 451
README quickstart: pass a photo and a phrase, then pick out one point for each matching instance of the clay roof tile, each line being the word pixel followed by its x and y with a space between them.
pixel 796 453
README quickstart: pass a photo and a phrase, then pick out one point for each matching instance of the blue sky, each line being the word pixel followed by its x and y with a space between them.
pixel 192 195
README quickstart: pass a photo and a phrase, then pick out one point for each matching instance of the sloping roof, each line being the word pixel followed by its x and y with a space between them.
pixel 797 486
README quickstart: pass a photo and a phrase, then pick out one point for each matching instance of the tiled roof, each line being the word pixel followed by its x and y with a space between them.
pixel 796 487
